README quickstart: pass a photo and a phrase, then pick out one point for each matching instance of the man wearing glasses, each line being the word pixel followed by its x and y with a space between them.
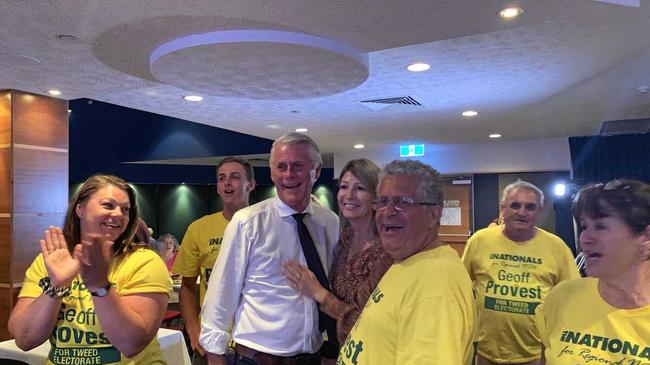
pixel 422 310
pixel 513 267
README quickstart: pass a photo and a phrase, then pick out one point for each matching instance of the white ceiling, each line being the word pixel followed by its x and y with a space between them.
pixel 559 70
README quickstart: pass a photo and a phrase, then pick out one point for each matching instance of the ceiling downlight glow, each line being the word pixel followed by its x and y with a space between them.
pixel 418 67
pixel 469 113
pixel 193 97
pixel 301 130
pixel 509 13
pixel 358 146
pixel 54 92
pixel 495 135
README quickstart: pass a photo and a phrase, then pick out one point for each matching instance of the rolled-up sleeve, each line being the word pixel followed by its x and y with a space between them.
pixel 224 289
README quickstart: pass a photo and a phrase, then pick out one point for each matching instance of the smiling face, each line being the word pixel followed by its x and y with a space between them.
pixel 354 198
pixel 233 186
pixel 105 212
pixel 405 233
pixel 293 174
pixel 520 212
pixel 610 247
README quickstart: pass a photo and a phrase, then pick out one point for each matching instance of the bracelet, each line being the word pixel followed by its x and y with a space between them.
pixel 53 291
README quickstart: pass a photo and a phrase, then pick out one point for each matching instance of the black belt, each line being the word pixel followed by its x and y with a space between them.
pixel 263 358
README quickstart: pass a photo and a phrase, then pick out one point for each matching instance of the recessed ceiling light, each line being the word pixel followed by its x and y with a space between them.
pixel 69 111
pixel 54 92
pixel 509 13
pixel 469 113
pixel 418 67
pixel 358 146
pixel 193 97
pixel 495 135
pixel 301 130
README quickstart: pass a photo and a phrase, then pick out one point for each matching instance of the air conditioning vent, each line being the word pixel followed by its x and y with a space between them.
pixel 379 104
pixel 407 100
pixel 631 126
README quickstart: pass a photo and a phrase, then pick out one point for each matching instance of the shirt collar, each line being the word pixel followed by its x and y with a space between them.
pixel 284 210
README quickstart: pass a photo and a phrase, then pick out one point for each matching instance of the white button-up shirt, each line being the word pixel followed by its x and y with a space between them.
pixel 247 285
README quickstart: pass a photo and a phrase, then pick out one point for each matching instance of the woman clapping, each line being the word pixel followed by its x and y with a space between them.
pixel 91 291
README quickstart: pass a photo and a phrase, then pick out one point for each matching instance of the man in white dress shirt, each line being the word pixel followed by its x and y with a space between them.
pixel 271 323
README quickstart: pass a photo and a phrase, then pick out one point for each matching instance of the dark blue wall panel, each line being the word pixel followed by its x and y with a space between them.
pixel 603 158
pixel 486 199
pixel 104 136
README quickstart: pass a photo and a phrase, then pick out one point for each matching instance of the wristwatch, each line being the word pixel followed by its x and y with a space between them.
pixel 101 292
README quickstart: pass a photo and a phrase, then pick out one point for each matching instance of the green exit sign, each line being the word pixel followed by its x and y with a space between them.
pixel 411 150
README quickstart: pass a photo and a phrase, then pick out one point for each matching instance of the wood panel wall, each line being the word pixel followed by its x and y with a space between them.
pixel 459 197
pixel 33 184
pixel 5 211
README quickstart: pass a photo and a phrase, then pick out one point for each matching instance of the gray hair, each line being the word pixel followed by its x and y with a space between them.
pixel 299 138
pixel 430 183
pixel 521 184
pixel 161 240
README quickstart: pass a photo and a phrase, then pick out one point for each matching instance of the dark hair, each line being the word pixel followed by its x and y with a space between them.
pixel 248 168
pixel 72 226
pixel 627 199
pixel 368 174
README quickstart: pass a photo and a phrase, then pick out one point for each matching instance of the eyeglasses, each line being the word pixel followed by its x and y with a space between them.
pixel 400 203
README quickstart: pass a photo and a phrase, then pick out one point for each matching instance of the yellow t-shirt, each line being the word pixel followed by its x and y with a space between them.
pixel 510 280
pixel 578 327
pixel 421 312
pixel 78 337
pixel 200 248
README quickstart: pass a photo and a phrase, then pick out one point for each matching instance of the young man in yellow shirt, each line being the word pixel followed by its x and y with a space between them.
pixel 202 241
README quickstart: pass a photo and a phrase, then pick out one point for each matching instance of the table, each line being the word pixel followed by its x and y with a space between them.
pixel 172 345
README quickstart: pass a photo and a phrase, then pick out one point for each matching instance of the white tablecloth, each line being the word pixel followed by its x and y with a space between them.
pixel 172 346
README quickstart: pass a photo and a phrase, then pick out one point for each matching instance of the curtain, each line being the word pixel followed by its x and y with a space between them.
pixel 603 158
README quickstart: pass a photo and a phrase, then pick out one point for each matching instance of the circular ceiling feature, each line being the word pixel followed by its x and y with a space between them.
pixel 259 64
pixel 15 59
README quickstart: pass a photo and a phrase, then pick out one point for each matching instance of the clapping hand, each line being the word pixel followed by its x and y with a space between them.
pixel 94 253
pixel 61 266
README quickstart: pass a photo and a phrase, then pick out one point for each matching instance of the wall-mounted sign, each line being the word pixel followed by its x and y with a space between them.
pixel 411 150
pixel 451 213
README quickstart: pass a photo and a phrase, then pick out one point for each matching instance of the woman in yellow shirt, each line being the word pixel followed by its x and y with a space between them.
pixel 604 318
pixel 97 296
